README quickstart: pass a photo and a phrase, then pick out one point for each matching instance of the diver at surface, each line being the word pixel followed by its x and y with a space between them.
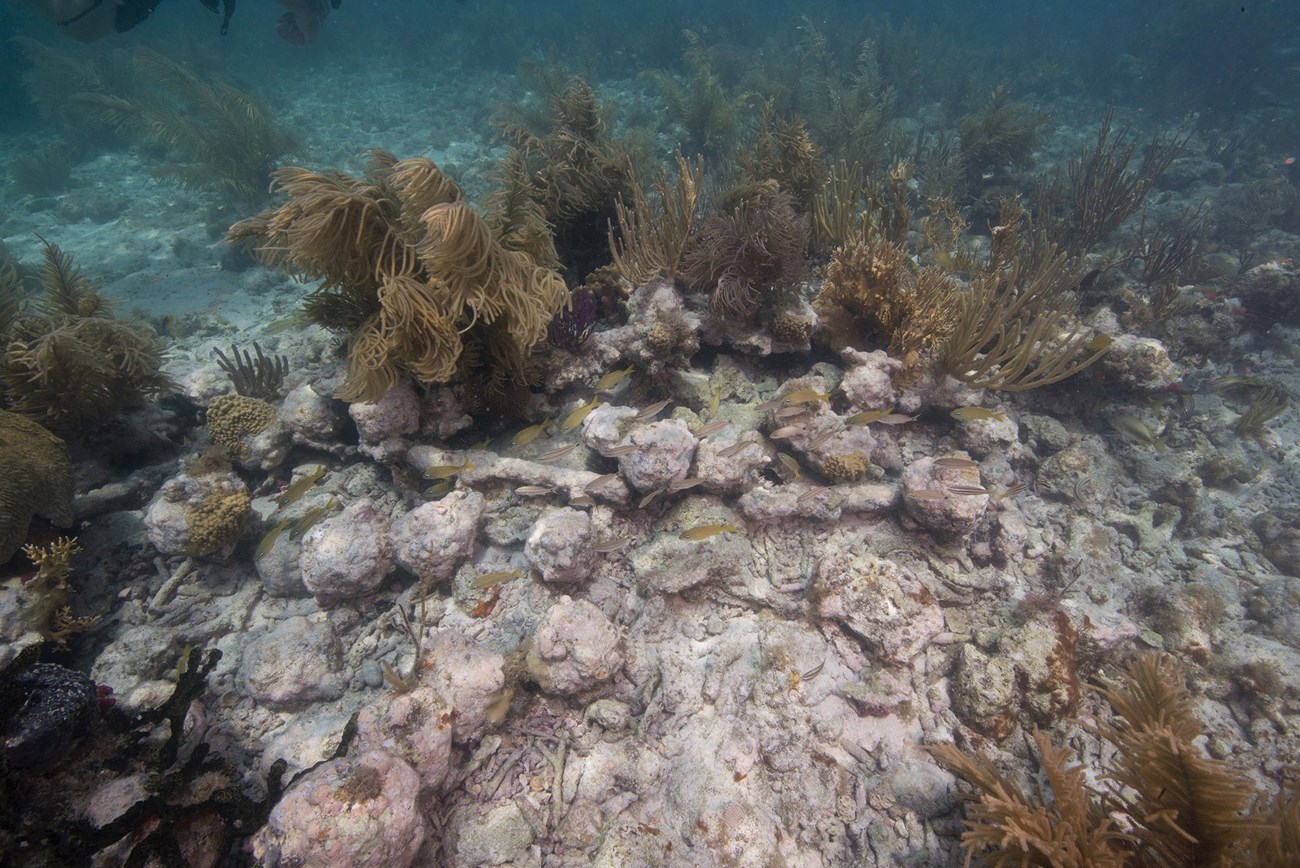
pixel 90 20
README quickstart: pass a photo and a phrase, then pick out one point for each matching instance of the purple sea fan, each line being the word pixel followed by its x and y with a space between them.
pixel 572 325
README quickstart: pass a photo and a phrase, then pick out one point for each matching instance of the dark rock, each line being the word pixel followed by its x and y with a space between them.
pixel 58 706
pixel 1279 531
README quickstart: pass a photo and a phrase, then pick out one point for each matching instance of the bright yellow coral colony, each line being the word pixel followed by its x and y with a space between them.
pixel 232 419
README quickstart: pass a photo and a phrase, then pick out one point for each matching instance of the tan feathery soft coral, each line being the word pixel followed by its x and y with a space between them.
pixel 410 269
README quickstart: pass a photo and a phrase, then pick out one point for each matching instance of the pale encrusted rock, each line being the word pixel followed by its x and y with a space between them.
pixel 443 413
pixel 984 692
pixel 985 437
pixel 1140 364
pixel 1010 537
pixel 605 426
pixel 347 555
pixel 665 450
pixel 437 537
pixel 468 677
pixel 383 424
pixel 347 813
pixel 1042 652
pixel 297 663
pixel 574 648
pixel 560 545
pixel 268 448
pixel 669 565
pixel 315 419
pixel 501 835
pixel 953 515
pixel 886 605
pixel 415 726
pixel 735 473
pixel 278 567
pixel 868 383
pixel 1082 473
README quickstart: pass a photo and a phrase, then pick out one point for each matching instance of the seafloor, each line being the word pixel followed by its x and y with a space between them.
pixel 759 696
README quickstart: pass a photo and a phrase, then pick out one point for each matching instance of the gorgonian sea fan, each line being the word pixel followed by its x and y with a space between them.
pixel 571 326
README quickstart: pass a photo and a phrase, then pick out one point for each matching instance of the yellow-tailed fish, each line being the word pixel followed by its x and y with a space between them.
pixel 715 403
pixel 822 438
pixel 653 410
pixel 529 434
pixel 558 452
pixel 866 417
pixel 486 580
pixel 812 492
pixel 977 414
pixel 711 428
pixel 574 419
pixel 282 325
pixel 805 396
pixel 299 488
pixel 1137 431
pixel 1099 342
pixel 447 471
pixel 612 545
pixel 734 448
pixel 613 378
pixel 649 498
pixel 440 489
pixel 599 481
pixel 704 531
pixel 309 518
pixel 1011 491
pixel 790 464
pixel 957 463
pixel 268 541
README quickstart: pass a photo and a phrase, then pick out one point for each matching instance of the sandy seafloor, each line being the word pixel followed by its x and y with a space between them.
pixel 766 690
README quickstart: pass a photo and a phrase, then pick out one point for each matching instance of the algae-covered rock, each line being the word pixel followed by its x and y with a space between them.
pixel 560 545
pixel 348 555
pixel 892 611
pixel 574 649
pixel 348 813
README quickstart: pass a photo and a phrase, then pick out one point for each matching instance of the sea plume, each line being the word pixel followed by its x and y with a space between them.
pixel 410 270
